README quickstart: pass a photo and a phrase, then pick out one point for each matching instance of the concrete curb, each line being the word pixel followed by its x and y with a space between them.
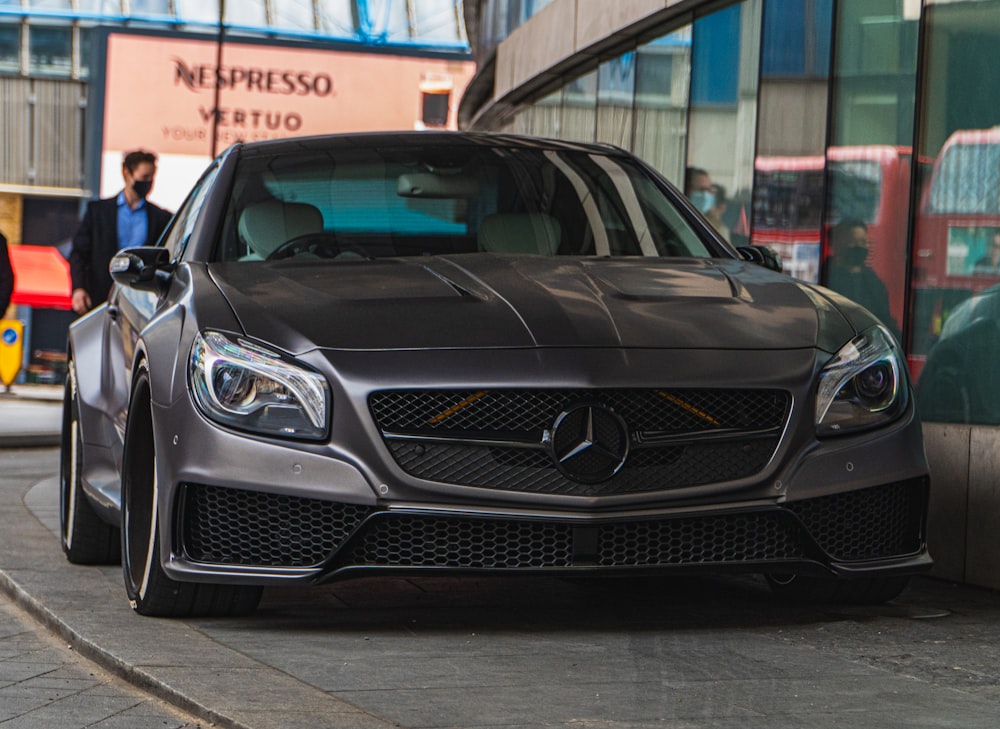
pixel 107 660
pixel 30 417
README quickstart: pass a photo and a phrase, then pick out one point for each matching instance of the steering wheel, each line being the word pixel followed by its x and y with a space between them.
pixel 321 245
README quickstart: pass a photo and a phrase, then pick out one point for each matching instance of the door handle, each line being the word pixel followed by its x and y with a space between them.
pixel 113 312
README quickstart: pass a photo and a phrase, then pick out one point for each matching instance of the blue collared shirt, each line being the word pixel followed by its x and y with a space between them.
pixel 133 225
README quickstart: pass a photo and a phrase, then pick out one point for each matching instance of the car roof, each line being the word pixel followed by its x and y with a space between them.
pixel 418 140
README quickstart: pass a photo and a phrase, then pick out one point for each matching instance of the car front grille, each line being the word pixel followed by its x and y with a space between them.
pixel 236 527
pixel 240 527
pixel 436 541
pixel 869 523
pixel 504 439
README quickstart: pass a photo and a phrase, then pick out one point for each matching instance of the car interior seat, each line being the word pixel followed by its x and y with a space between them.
pixel 266 226
pixel 537 233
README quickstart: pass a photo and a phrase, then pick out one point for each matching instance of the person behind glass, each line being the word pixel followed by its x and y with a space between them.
pixel 111 224
pixel 6 276
pixel 698 189
pixel 849 275
pixel 990 263
pixel 718 209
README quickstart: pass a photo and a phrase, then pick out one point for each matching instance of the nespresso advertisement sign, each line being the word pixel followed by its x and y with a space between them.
pixel 281 81
pixel 161 92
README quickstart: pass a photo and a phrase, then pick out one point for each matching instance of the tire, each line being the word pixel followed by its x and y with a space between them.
pixel 844 591
pixel 85 537
pixel 150 591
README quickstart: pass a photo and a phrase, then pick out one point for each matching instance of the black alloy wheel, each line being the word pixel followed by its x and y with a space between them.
pixel 150 591
pixel 85 537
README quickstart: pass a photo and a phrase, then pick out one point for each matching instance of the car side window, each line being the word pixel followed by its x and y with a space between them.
pixel 177 237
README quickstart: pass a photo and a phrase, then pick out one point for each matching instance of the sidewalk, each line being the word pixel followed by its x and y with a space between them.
pixel 30 415
pixel 45 683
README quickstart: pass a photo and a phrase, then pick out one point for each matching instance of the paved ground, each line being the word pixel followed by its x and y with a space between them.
pixel 45 684
pixel 474 653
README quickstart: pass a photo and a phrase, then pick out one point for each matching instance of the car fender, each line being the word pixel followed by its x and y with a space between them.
pixel 86 349
pixel 99 398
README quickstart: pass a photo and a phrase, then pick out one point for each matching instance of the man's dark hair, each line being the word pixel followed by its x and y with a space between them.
pixel 137 157
pixel 689 174
pixel 843 232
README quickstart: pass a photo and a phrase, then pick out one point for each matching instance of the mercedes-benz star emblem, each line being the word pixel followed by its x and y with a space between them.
pixel 589 443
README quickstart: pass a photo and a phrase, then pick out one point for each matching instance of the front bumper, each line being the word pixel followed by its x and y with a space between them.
pixel 247 510
pixel 248 536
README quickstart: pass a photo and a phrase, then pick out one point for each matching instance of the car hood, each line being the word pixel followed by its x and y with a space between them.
pixel 492 301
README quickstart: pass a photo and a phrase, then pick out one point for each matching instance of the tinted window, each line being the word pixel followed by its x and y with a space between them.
pixel 176 236
pixel 410 202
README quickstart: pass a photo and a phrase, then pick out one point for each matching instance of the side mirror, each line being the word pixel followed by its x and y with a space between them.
pixel 147 268
pixel 762 256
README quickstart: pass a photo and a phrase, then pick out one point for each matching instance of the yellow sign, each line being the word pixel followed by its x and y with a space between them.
pixel 11 349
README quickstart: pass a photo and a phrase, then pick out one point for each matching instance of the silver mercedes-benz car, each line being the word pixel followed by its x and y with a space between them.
pixel 478 353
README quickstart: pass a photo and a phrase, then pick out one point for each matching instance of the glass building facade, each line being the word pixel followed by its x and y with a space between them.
pixel 858 138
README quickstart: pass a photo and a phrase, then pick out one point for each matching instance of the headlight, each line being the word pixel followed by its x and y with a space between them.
pixel 862 386
pixel 241 384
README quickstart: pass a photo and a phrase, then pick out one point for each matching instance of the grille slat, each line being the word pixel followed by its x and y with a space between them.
pixel 451 420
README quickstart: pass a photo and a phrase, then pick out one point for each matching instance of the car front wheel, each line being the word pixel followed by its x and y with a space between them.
pixel 85 537
pixel 150 591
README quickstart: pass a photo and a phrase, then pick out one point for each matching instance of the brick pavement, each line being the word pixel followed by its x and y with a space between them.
pixel 46 685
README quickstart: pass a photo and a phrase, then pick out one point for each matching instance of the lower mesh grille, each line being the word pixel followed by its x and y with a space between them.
pixel 701 540
pixel 239 527
pixel 874 523
pixel 406 540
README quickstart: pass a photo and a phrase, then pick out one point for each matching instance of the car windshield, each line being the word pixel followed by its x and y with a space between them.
pixel 379 202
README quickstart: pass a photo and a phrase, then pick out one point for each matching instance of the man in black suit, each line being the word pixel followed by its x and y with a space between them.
pixel 111 224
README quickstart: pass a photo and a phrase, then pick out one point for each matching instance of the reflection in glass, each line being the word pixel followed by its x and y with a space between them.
pixel 197 11
pixel 790 169
pixel 10 47
pixel 51 51
pixel 337 17
pixel 437 20
pixel 293 14
pixel 384 20
pixel 50 4
pixel 545 119
pixel 615 89
pixel 870 159
pixel 662 78
pixel 142 8
pixel 723 115
pixel 578 109
pixel 955 340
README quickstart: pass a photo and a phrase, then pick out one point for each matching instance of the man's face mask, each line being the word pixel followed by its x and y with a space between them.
pixel 142 187
pixel 855 255
pixel 704 200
